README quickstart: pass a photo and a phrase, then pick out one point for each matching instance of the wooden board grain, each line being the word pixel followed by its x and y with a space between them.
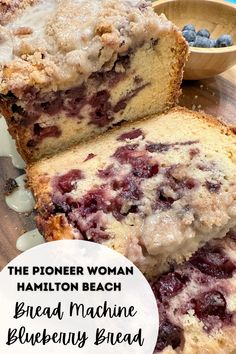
pixel 216 96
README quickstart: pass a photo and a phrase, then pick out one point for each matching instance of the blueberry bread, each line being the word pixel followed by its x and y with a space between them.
pixel 154 190
pixel 72 69
pixel 197 302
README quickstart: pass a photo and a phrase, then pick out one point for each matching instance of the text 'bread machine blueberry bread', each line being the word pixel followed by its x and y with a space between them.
pixel 72 69
pixel 155 193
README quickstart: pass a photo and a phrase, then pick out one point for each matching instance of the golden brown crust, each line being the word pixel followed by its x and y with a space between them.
pixel 182 53
pixel 57 228
pixel 213 121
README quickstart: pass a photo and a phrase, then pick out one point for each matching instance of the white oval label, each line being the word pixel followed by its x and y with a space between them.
pixel 76 296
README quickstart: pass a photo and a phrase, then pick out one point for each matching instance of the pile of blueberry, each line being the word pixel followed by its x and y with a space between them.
pixel 202 38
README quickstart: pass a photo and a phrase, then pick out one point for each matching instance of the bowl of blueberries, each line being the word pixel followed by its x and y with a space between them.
pixel 209 27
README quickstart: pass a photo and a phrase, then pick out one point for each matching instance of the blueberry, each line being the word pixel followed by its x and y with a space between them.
pixel 191 44
pixel 203 33
pixel 189 36
pixel 189 27
pixel 224 41
pixel 212 43
pixel 202 42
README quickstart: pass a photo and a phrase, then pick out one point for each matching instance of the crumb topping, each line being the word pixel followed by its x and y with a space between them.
pixel 55 45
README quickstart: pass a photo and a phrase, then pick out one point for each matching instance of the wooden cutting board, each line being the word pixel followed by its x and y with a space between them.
pixel 215 96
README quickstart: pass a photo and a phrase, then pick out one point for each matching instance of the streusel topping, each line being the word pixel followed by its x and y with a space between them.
pixel 53 44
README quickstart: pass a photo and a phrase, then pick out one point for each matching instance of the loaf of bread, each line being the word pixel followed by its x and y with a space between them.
pixel 72 69
pixel 154 190
pixel 197 302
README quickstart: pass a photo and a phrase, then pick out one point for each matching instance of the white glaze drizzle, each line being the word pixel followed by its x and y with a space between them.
pixel 29 240
pixel 36 18
pixel 8 146
pixel 21 200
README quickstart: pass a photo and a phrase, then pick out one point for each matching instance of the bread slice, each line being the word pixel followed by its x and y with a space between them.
pixel 154 190
pixel 197 302
pixel 72 69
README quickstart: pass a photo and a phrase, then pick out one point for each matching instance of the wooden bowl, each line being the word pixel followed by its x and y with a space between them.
pixel 219 17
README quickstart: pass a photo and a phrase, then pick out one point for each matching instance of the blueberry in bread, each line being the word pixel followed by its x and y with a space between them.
pixel 155 190
pixel 72 69
pixel 197 302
